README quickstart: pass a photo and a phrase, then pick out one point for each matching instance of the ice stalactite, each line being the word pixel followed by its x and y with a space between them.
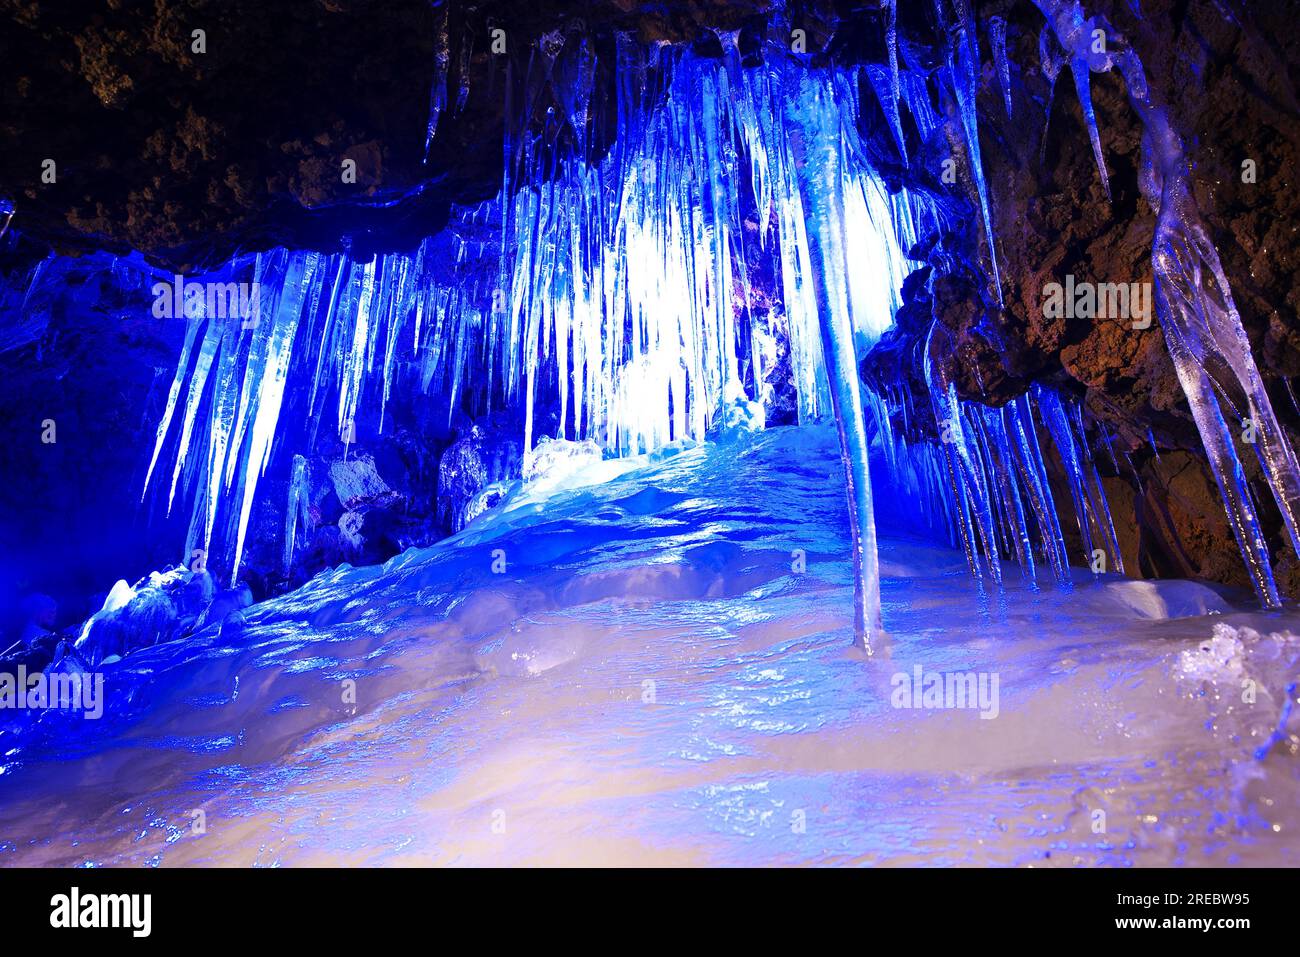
pixel 261 418
pixel 987 475
pixel 998 40
pixel 887 92
pixel 887 85
pixel 817 156
pixel 173 394
pixel 891 44
pixel 963 71
pixel 438 89
pixel 238 378
pixel 967 477
pixel 666 198
pixel 1202 327
pixel 1051 60
pixel 1086 54
pixel 1095 525
pixel 296 514
pixel 612 288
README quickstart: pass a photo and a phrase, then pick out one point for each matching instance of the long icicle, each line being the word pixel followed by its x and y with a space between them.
pixel 818 161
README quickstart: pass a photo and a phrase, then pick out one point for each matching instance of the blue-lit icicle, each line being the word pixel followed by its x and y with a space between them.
pixel 817 156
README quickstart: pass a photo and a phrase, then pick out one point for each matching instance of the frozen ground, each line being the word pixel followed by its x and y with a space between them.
pixel 651 681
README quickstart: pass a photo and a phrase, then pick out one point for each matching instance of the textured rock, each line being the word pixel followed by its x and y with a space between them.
pixel 187 156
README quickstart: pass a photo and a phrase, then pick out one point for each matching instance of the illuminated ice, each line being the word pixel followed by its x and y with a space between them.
pixel 661 673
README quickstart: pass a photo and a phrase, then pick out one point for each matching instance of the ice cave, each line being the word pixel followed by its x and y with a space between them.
pixel 729 432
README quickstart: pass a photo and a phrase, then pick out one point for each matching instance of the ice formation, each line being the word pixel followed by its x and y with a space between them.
pixel 987 476
pixel 614 284
pixel 1193 298
pixel 998 40
pixel 528 691
pixel 609 281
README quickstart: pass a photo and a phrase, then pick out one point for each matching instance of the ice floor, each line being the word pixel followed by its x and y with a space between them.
pixel 651 682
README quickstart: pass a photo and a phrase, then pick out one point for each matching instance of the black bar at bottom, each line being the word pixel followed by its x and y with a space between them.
pixel 335 907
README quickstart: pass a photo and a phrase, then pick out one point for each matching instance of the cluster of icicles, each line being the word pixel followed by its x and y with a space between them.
pixel 985 484
pixel 618 288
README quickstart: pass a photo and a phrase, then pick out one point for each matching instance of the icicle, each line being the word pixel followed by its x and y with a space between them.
pixel 891 44
pixel 1078 37
pixel 888 97
pixel 266 412
pixel 354 365
pixel 1051 65
pixel 613 294
pixel 178 381
pixel 998 40
pixel 297 509
pixel 438 89
pixel 1098 504
pixel 963 70
pixel 965 479
pixel 1032 472
pixel 1090 506
pixel 198 379
pixel 818 161
pixel 462 94
pixel 994 491
pixel 1079 69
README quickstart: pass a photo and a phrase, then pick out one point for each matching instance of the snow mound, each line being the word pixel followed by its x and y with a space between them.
pixel 1160 600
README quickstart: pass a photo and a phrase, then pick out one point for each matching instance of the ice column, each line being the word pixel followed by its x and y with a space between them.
pixel 815 148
